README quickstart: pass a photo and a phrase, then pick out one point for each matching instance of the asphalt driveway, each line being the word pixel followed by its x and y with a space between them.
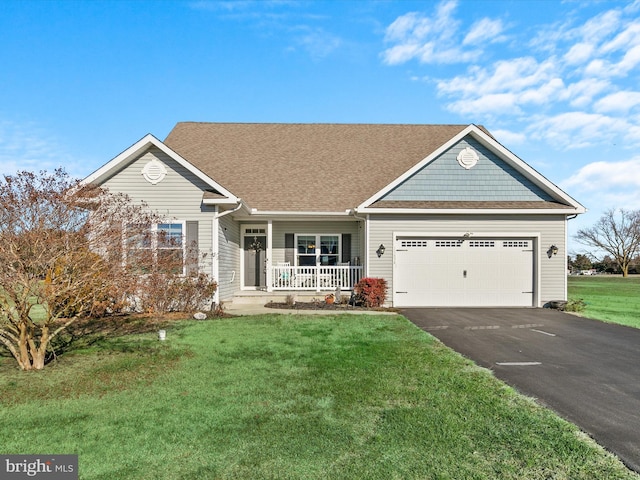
pixel 585 370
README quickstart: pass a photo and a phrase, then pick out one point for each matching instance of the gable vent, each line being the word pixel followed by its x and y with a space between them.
pixel 467 158
pixel 154 172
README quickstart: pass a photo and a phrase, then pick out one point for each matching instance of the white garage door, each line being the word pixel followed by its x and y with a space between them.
pixel 463 273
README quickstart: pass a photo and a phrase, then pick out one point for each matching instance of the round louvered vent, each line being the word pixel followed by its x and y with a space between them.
pixel 154 172
pixel 467 158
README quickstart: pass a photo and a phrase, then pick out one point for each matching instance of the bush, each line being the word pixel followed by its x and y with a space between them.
pixel 577 305
pixel 371 291
pixel 162 293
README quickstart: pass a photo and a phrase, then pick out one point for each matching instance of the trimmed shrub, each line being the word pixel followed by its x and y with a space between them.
pixel 371 291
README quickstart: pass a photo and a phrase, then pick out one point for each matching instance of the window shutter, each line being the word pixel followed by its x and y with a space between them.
pixel 346 247
pixel 192 248
pixel 289 248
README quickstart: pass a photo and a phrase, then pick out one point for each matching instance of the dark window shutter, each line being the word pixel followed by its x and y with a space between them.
pixel 192 248
pixel 289 248
pixel 346 247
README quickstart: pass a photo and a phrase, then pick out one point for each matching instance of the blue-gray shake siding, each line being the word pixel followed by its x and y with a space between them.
pixel 491 179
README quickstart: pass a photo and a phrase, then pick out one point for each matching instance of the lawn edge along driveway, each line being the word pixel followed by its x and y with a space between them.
pixel 584 369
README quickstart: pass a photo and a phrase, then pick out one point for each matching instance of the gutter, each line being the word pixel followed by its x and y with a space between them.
pixel 238 207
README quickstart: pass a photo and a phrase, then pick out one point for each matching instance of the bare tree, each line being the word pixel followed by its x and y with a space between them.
pixel 61 257
pixel 617 234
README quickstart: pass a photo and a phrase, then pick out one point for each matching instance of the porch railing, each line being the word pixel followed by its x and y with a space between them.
pixel 313 278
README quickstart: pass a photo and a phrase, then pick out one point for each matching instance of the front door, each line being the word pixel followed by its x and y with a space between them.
pixel 255 269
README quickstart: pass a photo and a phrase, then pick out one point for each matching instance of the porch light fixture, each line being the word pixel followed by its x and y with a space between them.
pixel 553 250
pixel 380 250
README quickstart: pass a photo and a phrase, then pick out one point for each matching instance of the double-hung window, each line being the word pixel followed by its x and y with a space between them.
pixel 170 247
pixel 160 247
pixel 312 250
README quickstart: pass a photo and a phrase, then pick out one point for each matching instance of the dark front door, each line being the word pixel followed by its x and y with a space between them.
pixel 254 261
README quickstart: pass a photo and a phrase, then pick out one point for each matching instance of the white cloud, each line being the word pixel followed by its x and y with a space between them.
pixel 629 36
pixel 484 30
pixel 581 93
pixel 603 176
pixel 318 42
pixel 27 146
pixel 437 38
pixel 602 185
pixel 494 103
pixel 579 53
pixel 401 53
pixel 572 130
pixel 511 76
pixel 619 102
pixel 507 137
pixel 573 86
pixel 506 88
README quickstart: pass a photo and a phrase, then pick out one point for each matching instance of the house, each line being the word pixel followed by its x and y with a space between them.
pixel 445 213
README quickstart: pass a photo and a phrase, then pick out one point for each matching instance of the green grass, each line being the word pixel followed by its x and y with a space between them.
pixel 609 298
pixel 289 397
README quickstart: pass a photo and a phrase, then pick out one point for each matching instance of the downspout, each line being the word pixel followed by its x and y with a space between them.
pixel 238 207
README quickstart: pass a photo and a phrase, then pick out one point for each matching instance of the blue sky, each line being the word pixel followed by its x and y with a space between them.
pixel 556 82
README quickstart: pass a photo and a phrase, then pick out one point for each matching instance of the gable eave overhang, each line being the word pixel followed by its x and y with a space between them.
pixel 220 201
pixel 473 211
pixel 498 149
pixel 253 214
pixel 110 168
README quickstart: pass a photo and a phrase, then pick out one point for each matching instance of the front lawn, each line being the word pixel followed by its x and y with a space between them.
pixel 289 397
pixel 611 298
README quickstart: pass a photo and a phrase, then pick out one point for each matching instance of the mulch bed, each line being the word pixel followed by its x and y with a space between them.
pixel 322 305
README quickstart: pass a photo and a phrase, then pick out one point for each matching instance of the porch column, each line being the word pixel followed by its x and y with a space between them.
pixel 269 263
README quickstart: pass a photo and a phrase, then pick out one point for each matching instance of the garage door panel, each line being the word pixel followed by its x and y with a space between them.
pixel 454 272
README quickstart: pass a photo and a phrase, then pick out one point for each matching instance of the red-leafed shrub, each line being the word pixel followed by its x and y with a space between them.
pixel 372 291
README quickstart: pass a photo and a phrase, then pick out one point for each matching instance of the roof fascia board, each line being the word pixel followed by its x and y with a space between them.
pixel 474 211
pixel 220 201
pixel 496 147
pixel 300 213
pixel 253 215
pixel 100 175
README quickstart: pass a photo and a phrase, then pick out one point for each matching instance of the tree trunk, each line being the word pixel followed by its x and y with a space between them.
pixel 31 355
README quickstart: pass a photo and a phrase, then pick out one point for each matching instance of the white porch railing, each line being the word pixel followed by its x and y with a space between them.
pixel 313 278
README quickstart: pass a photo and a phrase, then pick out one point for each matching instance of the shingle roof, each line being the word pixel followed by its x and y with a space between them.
pixel 306 167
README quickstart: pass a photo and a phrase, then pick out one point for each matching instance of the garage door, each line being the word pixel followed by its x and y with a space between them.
pixel 464 273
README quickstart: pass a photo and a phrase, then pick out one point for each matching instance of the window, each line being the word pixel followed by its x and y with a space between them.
pixel 170 247
pixel 160 246
pixel 312 250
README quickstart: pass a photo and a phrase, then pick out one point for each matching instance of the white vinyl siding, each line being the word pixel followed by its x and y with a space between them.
pixel 178 196
pixel 228 258
pixel 550 230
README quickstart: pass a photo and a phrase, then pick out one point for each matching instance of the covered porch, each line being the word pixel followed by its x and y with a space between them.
pixel 312 278
pixel 302 256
